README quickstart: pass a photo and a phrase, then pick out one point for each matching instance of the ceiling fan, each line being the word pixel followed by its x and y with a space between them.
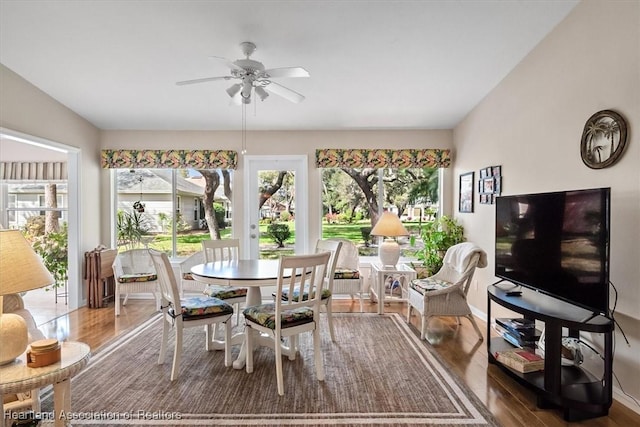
pixel 255 78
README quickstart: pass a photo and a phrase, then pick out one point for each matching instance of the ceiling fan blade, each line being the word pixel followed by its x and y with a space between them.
pixel 284 92
pixel 228 62
pixel 206 79
pixel 286 72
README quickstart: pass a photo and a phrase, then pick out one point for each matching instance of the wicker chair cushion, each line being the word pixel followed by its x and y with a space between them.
pixel 143 277
pixel 428 284
pixel 265 315
pixel 225 292
pixel 326 293
pixel 201 307
pixel 345 273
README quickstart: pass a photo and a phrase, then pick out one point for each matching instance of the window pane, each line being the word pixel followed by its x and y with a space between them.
pixel 351 197
pixel 27 199
pixel 165 208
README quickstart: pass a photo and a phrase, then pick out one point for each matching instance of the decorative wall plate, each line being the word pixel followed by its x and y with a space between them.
pixel 603 139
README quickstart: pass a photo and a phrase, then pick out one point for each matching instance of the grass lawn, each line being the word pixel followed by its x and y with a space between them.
pixel 190 242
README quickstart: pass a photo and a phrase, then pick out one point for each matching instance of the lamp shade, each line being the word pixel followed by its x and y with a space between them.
pixel 21 269
pixel 389 225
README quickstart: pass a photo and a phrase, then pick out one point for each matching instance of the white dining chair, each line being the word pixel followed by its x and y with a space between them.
pixel 289 317
pixel 224 250
pixel 333 247
pixel 179 314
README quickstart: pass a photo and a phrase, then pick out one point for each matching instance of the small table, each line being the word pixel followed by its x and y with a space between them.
pixel 17 377
pixel 249 273
pixel 401 273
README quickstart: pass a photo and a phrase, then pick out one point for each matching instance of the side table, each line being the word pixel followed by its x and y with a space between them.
pixel 401 274
pixel 17 377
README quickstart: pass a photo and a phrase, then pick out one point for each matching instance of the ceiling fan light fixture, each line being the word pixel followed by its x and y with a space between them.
pixel 263 94
pixel 247 85
pixel 234 89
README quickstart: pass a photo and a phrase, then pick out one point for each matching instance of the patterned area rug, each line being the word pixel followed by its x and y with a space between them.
pixel 377 373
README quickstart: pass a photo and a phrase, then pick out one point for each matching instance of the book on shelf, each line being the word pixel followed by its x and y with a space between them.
pixel 521 360
pixel 517 339
pixel 524 328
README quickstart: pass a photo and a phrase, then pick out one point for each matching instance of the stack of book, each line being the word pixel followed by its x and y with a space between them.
pixel 520 360
pixel 517 331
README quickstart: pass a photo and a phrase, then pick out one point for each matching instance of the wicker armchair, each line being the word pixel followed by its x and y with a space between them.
pixel 187 283
pixel 445 293
pixel 134 273
pixel 347 279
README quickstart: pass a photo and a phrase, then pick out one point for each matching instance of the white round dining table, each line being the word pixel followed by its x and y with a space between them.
pixel 249 273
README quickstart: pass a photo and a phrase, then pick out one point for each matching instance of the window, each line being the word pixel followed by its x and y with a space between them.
pixel 27 199
pixel 352 198
pixel 149 208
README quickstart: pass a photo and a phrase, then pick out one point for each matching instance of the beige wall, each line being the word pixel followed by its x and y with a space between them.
pixel 531 124
pixel 24 109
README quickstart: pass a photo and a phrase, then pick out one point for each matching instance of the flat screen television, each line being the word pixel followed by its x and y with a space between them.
pixel 557 243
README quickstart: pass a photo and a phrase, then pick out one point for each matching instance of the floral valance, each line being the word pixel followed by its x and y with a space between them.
pixel 173 159
pixel 379 158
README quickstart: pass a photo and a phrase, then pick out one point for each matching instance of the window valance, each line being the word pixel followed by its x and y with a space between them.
pixel 379 158
pixel 173 159
pixel 33 171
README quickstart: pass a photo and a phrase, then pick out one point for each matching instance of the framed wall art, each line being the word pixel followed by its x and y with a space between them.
pixel 603 139
pixel 465 194
pixel 490 184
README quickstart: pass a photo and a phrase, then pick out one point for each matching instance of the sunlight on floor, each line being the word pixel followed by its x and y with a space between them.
pixel 43 307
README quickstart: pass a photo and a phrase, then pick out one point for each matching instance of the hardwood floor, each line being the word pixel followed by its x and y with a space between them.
pixel 511 403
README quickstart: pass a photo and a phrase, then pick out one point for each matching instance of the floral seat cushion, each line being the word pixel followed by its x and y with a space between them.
pixel 326 293
pixel 265 315
pixel 225 292
pixel 201 307
pixel 140 277
pixel 345 273
pixel 428 284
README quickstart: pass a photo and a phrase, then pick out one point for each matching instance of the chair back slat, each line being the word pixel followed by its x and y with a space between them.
pixel 221 250
pixel 168 285
pixel 307 273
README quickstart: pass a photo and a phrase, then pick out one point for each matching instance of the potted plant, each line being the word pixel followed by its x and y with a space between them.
pixel 438 236
pixel 131 228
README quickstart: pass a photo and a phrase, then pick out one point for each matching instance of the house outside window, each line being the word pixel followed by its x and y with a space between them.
pixel 148 199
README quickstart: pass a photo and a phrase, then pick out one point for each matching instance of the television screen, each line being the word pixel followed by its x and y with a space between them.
pixel 557 243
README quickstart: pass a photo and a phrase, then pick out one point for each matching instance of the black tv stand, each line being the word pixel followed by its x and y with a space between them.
pixel 571 388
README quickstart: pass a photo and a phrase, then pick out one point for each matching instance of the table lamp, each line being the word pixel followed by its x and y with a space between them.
pixel 389 226
pixel 21 269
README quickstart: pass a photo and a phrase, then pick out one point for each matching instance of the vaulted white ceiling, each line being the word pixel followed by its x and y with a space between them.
pixel 373 64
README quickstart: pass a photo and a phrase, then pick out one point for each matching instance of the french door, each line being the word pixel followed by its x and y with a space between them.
pixel 255 168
